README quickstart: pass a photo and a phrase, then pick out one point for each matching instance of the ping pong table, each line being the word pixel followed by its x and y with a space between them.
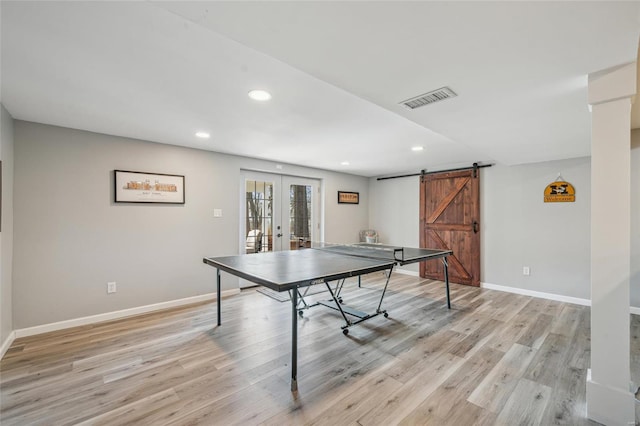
pixel 323 264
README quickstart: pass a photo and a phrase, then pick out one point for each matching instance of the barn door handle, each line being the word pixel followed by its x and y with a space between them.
pixel 475 227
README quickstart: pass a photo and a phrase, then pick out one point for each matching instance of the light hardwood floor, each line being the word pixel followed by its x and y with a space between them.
pixel 495 358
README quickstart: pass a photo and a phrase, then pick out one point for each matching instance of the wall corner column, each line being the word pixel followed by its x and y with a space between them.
pixel 609 397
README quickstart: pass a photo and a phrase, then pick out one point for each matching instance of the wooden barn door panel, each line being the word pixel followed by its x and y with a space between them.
pixel 450 219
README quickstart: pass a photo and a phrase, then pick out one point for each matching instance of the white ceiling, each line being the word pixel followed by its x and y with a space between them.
pixel 337 70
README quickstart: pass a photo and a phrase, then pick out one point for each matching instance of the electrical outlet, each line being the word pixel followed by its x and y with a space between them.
pixel 526 270
pixel 217 212
pixel 111 287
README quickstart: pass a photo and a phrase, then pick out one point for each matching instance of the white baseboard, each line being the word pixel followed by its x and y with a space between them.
pixel 45 328
pixel 7 343
pixel 539 294
pixel 407 272
pixel 550 296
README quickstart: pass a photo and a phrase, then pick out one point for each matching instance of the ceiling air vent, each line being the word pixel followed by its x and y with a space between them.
pixel 428 98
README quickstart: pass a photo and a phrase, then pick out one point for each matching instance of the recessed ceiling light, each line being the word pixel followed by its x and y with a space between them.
pixel 345 163
pixel 417 148
pixel 203 135
pixel 260 95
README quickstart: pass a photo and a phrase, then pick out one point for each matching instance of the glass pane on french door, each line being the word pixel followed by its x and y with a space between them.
pixel 301 212
pixel 300 209
pixel 258 216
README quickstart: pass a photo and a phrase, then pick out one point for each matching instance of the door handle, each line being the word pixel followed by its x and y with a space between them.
pixel 475 227
pixel 278 235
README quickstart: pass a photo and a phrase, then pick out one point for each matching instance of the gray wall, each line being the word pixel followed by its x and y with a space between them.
pixel 518 229
pixel 394 211
pixel 6 234
pixel 635 218
pixel 71 238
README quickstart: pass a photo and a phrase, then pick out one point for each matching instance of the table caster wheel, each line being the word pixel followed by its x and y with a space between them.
pixel 386 315
pixel 340 300
pixel 345 331
pixel 301 314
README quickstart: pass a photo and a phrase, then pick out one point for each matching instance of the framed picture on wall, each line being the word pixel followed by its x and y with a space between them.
pixel 143 187
pixel 345 197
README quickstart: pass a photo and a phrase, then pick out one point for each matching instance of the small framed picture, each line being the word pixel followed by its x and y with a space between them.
pixel 345 197
pixel 142 187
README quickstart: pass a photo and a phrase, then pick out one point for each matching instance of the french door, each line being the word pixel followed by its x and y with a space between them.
pixel 277 212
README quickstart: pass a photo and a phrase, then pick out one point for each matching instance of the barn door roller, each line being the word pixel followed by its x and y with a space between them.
pixel 424 172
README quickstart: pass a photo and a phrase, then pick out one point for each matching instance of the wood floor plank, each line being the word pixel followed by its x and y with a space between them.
pixel 537 306
pixel 202 391
pixel 316 394
pixel 424 352
pixel 550 360
pixel 135 412
pixel 467 413
pixel 496 387
pixel 494 358
pixel 526 405
pixel 90 400
pixel 510 307
pixel 537 330
pixel 580 353
pixel 509 333
pixel 467 324
pixel 568 321
pixel 474 340
pixel 457 387
pixel 402 402
pixel 232 408
pixel 364 398
pixel 566 398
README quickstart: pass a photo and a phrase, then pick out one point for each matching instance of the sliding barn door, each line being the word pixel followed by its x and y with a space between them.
pixel 450 219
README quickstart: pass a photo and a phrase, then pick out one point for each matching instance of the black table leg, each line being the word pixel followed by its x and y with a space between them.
pixel 218 296
pixel 446 280
pixel 294 340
